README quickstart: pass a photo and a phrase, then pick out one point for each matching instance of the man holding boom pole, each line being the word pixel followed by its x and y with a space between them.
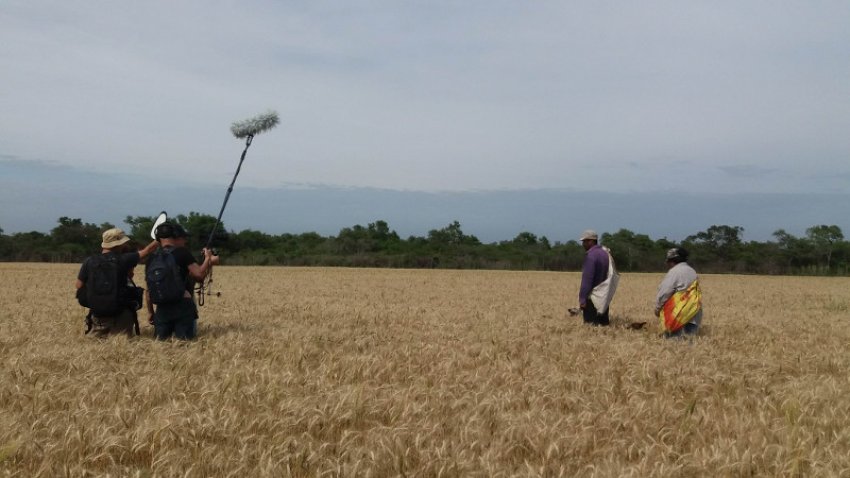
pixel 171 274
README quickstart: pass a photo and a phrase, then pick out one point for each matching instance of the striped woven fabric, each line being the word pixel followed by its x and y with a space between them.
pixel 680 308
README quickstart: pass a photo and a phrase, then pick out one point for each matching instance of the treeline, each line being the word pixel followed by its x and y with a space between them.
pixel 718 249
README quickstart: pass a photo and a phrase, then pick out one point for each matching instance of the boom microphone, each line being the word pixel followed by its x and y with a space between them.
pixel 255 125
pixel 244 129
pixel 241 129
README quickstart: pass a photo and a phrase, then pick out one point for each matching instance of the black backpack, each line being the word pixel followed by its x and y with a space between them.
pixel 165 282
pixel 103 289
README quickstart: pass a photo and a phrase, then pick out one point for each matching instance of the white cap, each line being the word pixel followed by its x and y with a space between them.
pixel 589 234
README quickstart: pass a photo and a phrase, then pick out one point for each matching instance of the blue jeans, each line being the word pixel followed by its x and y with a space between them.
pixel 179 319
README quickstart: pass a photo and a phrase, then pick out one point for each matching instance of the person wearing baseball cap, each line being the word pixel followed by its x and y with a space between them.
pixel 594 271
pixel 178 318
pixel 111 303
pixel 678 303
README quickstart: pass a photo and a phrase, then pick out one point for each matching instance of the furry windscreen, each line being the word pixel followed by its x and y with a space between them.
pixel 255 125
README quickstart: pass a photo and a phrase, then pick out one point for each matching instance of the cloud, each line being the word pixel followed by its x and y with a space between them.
pixel 747 171
pixel 437 96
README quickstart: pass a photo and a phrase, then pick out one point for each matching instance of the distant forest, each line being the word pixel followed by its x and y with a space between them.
pixel 718 249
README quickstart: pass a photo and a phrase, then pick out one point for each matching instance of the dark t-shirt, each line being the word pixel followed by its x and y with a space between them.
pixel 126 263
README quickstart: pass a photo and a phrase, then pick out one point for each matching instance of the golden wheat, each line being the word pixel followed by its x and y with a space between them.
pixel 357 372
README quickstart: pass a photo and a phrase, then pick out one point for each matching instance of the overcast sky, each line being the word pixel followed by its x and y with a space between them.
pixel 627 96
pixel 709 97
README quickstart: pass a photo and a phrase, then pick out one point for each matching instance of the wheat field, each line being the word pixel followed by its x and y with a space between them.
pixel 360 372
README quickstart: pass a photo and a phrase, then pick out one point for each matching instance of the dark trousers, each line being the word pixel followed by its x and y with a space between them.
pixel 179 320
pixel 592 317
pixel 125 323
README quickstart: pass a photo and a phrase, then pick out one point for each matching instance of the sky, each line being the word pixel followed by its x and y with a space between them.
pixel 681 98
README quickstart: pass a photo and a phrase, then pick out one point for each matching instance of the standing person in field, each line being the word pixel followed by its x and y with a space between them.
pixel 104 285
pixel 678 303
pixel 598 280
pixel 171 275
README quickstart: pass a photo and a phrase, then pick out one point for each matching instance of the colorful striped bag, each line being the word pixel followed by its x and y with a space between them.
pixel 680 308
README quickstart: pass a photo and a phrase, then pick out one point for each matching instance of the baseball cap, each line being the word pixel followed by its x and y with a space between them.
pixel 589 234
pixel 677 253
pixel 168 230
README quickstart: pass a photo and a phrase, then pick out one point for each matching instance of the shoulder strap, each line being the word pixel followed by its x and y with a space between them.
pixel 95 259
pixel 109 256
pixel 612 267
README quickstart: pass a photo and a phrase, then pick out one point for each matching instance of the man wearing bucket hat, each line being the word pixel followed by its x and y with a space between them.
pixel 104 285
pixel 596 271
